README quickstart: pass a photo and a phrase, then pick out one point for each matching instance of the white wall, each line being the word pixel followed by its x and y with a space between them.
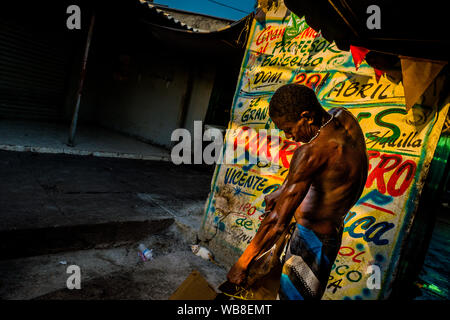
pixel 149 104
pixel 200 96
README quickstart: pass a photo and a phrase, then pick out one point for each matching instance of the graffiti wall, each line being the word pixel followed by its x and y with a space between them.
pixel 283 49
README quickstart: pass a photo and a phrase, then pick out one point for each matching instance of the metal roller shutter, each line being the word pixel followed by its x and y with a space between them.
pixel 32 72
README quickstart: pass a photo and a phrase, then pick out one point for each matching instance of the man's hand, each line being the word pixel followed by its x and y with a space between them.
pixel 270 200
pixel 237 274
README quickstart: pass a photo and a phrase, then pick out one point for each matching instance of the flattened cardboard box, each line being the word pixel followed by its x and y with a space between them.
pixel 195 287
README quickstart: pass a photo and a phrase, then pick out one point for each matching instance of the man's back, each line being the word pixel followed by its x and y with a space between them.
pixel 338 184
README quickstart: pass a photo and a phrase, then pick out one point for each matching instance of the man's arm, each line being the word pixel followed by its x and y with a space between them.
pixel 304 165
pixel 272 198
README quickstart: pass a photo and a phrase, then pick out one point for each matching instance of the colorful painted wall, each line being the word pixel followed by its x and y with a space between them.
pixel 283 49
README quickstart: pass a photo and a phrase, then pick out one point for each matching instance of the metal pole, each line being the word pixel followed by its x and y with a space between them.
pixel 73 125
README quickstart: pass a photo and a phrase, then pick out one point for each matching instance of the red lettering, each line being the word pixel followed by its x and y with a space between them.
pixel 352 251
pixel 408 165
pixel 379 171
pixel 309 32
pixel 286 151
pixel 243 133
pixel 262 36
pixel 372 154
pixel 300 78
pixel 357 260
pixel 407 169
pixel 269 34
pixel 310 83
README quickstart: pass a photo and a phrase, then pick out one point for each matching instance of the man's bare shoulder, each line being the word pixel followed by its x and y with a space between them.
pixel 341 113
pixel 347 120
pixel 334 111
pixel 348 132
pixel 307 158
pixel 303 152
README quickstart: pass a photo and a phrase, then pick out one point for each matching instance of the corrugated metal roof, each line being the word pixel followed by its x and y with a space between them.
pixel 175 22
pixel 226 42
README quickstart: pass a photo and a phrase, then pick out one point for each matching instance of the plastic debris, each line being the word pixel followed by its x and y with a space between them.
pixel 145 253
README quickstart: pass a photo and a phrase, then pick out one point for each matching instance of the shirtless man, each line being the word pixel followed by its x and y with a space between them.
pixel 326 177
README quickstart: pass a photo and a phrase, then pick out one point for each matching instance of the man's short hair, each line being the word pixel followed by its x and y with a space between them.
pixel 291 100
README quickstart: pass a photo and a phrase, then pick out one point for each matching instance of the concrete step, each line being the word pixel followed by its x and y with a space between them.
pixel 49 240
pixel 113 273
pixel 94 212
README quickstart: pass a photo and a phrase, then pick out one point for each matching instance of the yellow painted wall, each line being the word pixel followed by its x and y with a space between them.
pixel 400 144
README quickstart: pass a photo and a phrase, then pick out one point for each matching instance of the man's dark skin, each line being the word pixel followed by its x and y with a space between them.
pixel 325 179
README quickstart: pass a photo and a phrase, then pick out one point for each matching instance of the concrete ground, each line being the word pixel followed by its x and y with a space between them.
pixel 58 210
pixel 22 135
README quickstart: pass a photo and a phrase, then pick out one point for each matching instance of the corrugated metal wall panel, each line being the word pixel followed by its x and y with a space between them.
pixel 32 72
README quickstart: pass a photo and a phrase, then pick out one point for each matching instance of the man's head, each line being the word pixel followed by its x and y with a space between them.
pixel 295 110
